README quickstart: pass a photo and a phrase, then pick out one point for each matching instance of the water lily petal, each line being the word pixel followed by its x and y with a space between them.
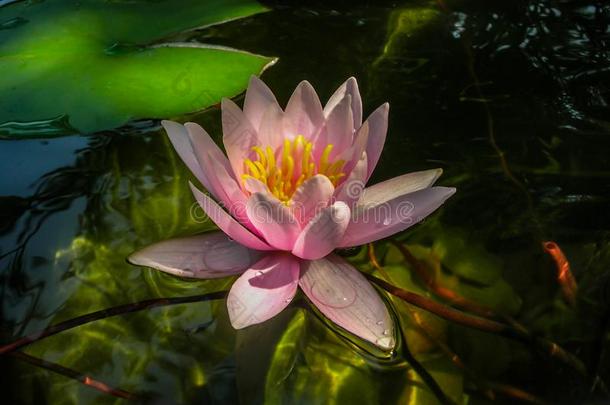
pixel 395 187
pixel 258 100
pixel 264 290
pixel 352 188
pixel 323 233
pixel 209 255
pixel 377 127
pixel 221 181
pixel 273 220
pixel 350 86
pixel 233 197
pixel 345 297
pixel 270 132
pixel 303 112
pixel 311 196
pixel 180 139
pixel 227 223
pixel 352 155
pixel 380 219
pixel 338 129
pixel 204 145
pixel 253 185
pixel 238 135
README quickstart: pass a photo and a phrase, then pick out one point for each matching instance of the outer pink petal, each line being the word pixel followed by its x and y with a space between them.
pixel 382 219
pixel 209 255
pixel 257 101
pixel 238 135
pixel 378 127
pixel 204 145
pixel 303 112
pixel 264 290
pixel 233 197
pixel 397 186
pixel 345 297
pixel 349 87
pixel 352 155
pixel 311 196
pixel 227 223
pixel 323 233
pixel 352 188
pixel 221 181
pixel 338 129
pixel 270 132
pixel 181 141
pixel 273 220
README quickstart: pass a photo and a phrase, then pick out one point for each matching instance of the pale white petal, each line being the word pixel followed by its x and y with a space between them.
pixel 264 290
pixel 345 297
pixel 349 87
pixel 209 255
pixel 323 233
pixel 273 220
pixel 379 220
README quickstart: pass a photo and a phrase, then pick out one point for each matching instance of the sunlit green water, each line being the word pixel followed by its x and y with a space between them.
pixel 73 208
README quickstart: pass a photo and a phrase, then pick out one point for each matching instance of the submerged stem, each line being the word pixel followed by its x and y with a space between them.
pixel 488 388
pixel 487 325
pixel 106 313
pixel 427 377
pixel 75 375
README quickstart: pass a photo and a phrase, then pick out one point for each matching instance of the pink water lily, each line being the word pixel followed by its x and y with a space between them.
pixel 291 191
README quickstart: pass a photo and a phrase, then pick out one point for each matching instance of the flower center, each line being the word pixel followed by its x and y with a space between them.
pixel 286 168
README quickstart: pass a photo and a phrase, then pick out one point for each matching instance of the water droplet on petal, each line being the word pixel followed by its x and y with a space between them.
pixel 379 322
pixel 385 342
pixel 387 221
pixel 259 273
pixel 386 332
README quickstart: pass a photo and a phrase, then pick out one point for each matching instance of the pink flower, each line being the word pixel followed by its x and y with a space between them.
pixel 291 191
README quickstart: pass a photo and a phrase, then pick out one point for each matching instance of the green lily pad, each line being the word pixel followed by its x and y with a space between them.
pixel 100 64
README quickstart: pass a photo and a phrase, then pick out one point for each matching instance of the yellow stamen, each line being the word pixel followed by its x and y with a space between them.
pixel 305 167
pixel 261 169
pixel 295 164
pixel 324 158
pixel 261 155
pixel 270 157
pixel 289 168
pixel 253 169
pixel 335 167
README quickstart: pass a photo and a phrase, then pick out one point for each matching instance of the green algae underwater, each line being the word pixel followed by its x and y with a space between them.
pixel 509 98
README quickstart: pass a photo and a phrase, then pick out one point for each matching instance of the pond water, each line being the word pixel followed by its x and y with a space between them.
pixel 510 99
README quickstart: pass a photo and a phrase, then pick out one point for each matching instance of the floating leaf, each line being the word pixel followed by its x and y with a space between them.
pixel 95 62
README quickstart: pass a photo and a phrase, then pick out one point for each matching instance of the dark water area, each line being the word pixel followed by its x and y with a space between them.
pixel 511 99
